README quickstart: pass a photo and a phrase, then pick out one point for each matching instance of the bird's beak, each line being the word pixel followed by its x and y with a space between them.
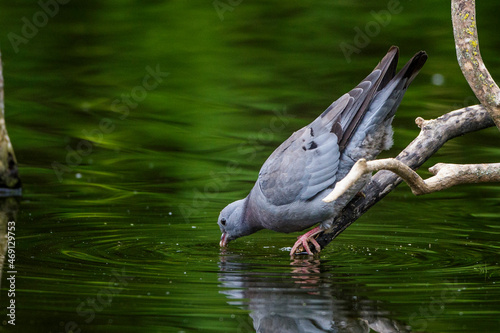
pixel 223 240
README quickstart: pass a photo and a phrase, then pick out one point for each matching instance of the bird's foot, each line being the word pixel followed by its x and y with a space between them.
pixel 305 239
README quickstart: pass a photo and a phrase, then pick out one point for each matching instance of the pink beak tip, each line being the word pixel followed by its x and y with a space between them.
pixel 223 240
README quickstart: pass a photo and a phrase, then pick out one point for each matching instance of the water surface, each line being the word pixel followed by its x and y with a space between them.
pixel 124 174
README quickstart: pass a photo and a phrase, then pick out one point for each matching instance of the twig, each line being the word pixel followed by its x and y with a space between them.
pixel 448 175
pixel 362 167
pixel 445 175
pixel 463 15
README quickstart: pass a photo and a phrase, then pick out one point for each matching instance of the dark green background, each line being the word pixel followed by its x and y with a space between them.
pixel 130 222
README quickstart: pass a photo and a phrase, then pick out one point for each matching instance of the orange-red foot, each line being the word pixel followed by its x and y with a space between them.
pixel 305 239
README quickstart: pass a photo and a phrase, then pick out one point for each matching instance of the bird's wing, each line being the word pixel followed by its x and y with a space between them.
pixel 307 162
pixel 303 165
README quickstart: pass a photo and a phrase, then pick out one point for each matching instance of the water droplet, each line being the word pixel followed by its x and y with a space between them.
pixel 437 79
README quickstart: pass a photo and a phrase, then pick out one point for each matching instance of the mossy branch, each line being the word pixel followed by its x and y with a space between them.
pixel 463 15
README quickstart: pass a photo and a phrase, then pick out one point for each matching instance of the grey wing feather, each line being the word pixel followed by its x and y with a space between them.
pixel 322 167
pixel 307 162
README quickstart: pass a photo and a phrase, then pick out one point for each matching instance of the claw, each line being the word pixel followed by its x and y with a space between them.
pixel 305 239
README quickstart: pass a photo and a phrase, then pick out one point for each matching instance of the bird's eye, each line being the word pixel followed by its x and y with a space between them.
pixel 223 221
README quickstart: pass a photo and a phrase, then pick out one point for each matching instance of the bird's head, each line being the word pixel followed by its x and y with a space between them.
pixel 232 223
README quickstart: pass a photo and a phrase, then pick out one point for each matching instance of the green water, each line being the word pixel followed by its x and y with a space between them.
pixel 119 234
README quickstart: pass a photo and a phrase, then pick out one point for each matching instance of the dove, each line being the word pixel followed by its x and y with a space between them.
pixel 287 196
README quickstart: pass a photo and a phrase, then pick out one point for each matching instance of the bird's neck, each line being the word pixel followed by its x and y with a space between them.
pixel 250 220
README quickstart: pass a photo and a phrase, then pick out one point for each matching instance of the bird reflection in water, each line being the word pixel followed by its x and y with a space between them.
pixel 311 297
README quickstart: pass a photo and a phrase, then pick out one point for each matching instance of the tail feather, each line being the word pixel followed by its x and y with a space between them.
pixel 392 93
pixel 391 70
pixel 374 132
pixel 373 100
pixel 413 67
pixel 362 95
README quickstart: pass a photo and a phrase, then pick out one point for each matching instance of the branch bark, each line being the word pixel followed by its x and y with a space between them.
pixel 463 15
pixel 433 135
pixel 10 184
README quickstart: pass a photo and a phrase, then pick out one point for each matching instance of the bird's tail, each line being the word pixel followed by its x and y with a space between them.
pixel 359 98
pixel 374 132
pixel 390 93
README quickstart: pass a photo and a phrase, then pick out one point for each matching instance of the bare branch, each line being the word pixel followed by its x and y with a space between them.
pixel 362 167
pixel 463 15
pixel 448 175
pixel 445 175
